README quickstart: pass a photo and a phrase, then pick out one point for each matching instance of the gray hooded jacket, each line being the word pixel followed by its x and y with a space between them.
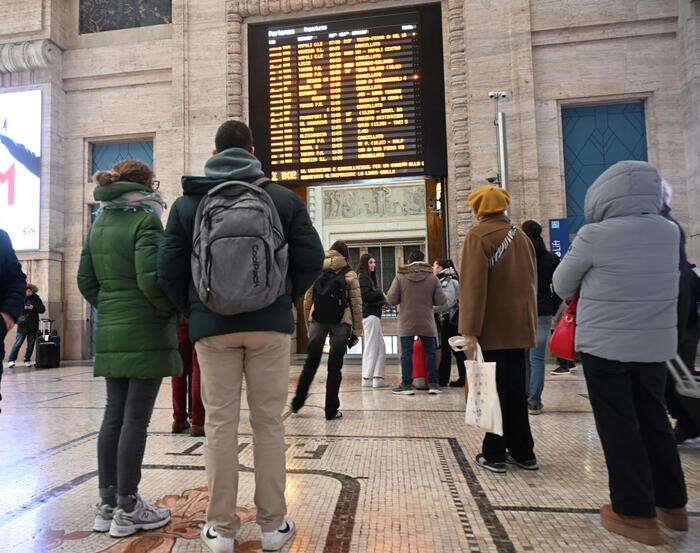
pixel 625 261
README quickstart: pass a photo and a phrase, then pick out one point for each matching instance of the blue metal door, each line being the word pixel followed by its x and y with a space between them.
pixel 596 137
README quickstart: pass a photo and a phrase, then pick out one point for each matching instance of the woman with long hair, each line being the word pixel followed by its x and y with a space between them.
pixel 136 339
pixel 374 350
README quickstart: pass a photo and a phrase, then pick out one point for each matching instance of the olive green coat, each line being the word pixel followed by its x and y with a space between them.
pixel 136 323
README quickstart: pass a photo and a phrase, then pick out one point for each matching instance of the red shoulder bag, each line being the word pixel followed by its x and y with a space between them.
pixel 562 343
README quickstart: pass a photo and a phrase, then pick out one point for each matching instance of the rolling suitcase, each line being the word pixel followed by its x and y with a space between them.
pixel 48 349
pixel 687 386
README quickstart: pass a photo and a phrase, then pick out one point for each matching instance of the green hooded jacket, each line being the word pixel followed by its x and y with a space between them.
pixel 174 272
pixel 136 324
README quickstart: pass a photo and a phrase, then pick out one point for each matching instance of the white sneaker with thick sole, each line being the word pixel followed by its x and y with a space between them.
pixel 215 542
pixel 11 364
pixel 274 541
pixel 103 518
pixel 366 382
pixel 379 383
pixel 143 517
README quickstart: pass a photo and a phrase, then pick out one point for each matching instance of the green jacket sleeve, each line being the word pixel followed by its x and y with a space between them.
pixel 305 251
pixel 174 271
pixel 88 284
pixel 148 235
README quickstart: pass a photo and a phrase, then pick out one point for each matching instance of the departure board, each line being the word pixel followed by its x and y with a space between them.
pixel 341 99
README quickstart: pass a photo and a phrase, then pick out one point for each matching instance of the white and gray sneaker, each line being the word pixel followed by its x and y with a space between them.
pixel 274 541
pixel 143 517
pixel 103 517
pixel 215 542
pixel 434 388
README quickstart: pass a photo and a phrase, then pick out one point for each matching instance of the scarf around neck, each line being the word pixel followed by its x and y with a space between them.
pixel 135 200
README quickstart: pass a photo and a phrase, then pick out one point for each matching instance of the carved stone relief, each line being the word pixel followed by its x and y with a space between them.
pixel 378 201
pixel 22 56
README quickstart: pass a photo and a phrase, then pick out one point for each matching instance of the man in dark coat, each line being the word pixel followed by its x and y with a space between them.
pixel 12 286
pixel 254 344
pixel 27 326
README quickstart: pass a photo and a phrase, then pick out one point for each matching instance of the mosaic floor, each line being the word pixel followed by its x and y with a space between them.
pixel 396 474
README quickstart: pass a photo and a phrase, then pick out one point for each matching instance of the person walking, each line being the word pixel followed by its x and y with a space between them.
pixel 13 284
pixel 547 305
pixel 624 264
pixel 135 342
pixel 498 310
pixel 332 307
pixel 27 326
pixel 252 344
pixel 187 387
pixel 417 290
pixel 688 329
pixel 448 316
pixel 374 348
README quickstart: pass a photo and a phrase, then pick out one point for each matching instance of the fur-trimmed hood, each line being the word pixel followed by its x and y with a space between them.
pixel 416 272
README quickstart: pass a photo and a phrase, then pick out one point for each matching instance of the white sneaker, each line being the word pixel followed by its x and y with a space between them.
pixel 27 363
pixel 379 383
pixel 103 518
pixel 366 382
pixel 274 541
pixel 215 542
pixel 143 517
pixel 10 364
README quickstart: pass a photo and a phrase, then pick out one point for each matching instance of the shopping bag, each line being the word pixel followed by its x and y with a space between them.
pixel 483 405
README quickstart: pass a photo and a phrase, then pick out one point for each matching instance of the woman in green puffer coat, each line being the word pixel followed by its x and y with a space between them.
pixel 136 341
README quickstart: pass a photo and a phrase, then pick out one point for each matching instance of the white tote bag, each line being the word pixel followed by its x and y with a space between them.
pixel 483 405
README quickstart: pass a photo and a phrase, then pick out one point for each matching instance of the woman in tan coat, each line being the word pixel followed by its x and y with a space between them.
pixel 498 308
pixel 332 306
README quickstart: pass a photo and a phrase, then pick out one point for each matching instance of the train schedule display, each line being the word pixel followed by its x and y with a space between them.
pixel 349 99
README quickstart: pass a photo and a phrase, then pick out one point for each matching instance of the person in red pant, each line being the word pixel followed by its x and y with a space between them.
pixel 179 383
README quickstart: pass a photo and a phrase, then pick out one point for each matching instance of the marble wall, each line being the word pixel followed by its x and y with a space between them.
pixel 176 83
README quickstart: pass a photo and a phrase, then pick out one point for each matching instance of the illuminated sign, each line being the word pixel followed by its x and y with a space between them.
pixel 344 99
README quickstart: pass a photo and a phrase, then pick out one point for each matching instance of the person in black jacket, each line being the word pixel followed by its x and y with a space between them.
pixel 374 349
pixel 547 304
pixel 447 317
pixel 12 285
pixel 688 329
pixel 27 326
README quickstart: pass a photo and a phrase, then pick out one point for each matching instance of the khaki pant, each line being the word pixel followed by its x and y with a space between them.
pixel 264 359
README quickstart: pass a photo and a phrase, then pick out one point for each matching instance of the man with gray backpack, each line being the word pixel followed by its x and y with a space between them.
pixel 238 251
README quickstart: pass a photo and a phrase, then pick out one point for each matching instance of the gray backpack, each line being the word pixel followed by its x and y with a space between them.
pixel 239 252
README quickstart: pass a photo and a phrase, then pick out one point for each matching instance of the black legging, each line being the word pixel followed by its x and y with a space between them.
pixel 447 331
pixel 122 439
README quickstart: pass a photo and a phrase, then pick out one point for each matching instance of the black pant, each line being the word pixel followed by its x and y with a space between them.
pixel 122 439
pixel 640 450
pixel 510 382
pixel 339 335
pixel 447 331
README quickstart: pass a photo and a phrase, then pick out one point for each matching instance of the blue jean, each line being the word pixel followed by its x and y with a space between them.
pixel 31 339
pixel 536 360
pixel 430 350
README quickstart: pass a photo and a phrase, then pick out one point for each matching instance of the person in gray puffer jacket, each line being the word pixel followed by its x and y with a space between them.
pixel 625 264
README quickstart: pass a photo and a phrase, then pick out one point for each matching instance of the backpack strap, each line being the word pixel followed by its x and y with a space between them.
pixel 503 246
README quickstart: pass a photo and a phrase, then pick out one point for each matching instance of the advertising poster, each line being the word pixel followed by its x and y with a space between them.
pixel 20 167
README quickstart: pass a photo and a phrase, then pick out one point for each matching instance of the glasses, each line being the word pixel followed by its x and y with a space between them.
pixel 155 185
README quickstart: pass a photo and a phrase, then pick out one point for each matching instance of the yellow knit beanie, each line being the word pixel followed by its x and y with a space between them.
pixel 489 199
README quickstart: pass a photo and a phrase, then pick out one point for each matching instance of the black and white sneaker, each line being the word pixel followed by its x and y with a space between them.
pixel 274 541
pixel 143 517
pixel 434 388
pixel 561 370
pixel 338 415
pixel 403 390
pixel 499 468
pixel 527 465
pixel 215 542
